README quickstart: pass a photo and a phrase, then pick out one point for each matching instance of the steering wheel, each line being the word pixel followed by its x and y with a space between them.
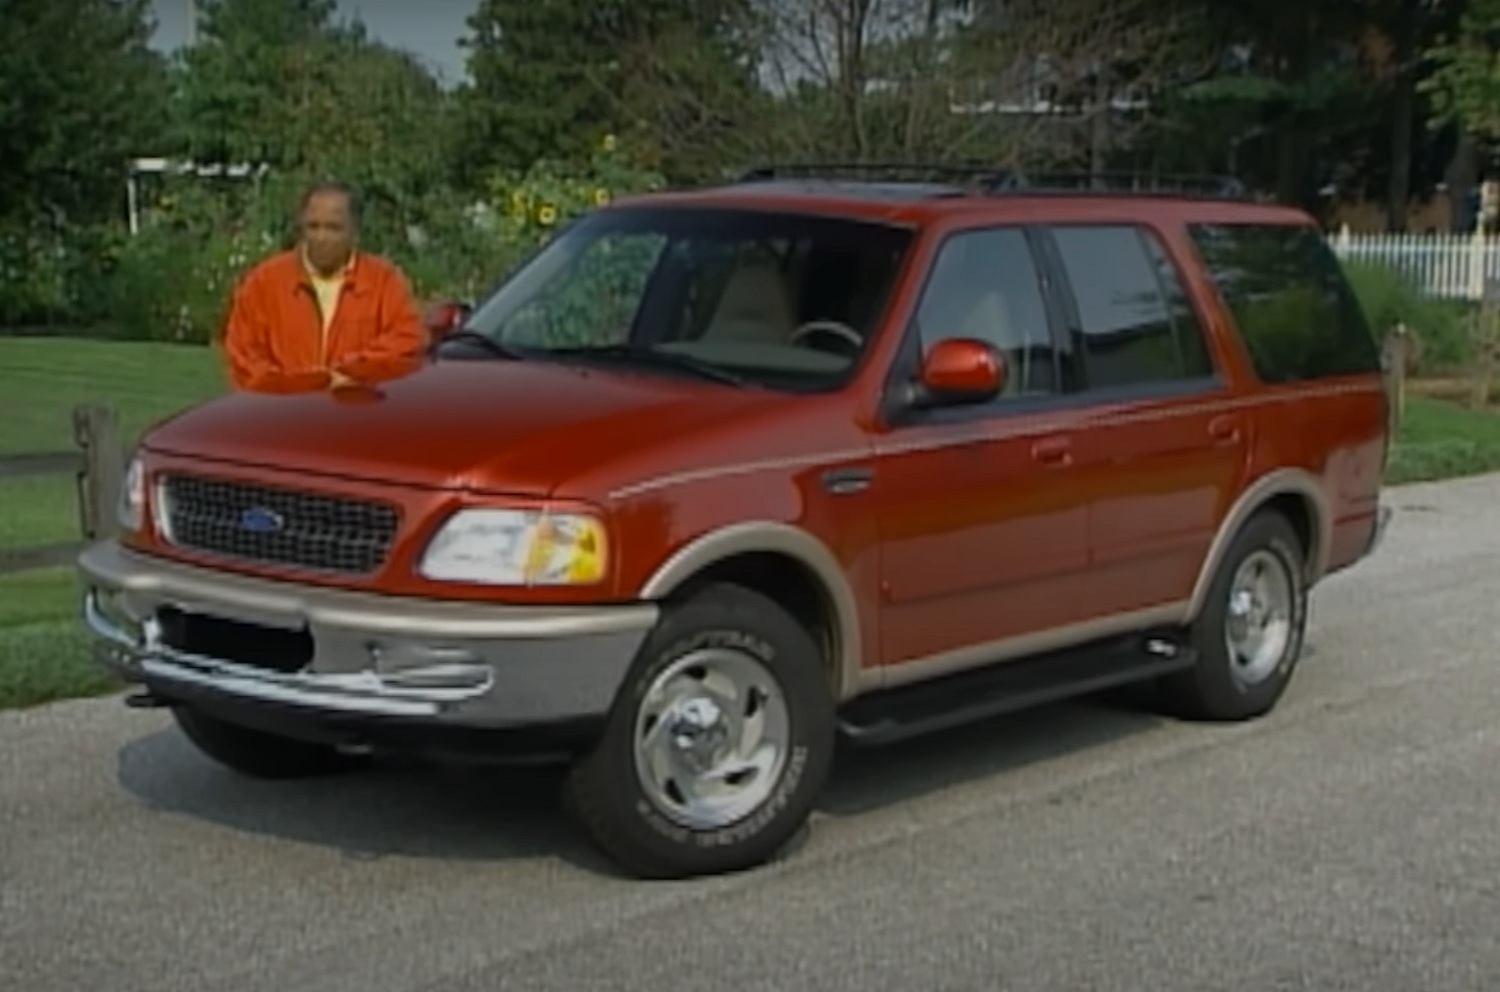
pixel 834 328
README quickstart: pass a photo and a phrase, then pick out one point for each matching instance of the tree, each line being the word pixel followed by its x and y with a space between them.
pixel 1019 82
pixel 279 84
pixel 80 94
pixel 551 77
pixel 1285 97
pixel 1465 84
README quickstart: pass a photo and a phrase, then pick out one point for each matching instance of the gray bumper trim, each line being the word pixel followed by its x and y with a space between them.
pixel 475 664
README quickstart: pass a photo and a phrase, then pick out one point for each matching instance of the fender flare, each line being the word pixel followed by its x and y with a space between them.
pixel 1283 482
pixel 769 537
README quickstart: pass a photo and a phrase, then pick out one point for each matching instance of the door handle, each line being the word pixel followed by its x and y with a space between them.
pixel 1053 451
pixel 1224 430
pixel 843 481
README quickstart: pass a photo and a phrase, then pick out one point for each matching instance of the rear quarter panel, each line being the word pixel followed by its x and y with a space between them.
pixel 1336 430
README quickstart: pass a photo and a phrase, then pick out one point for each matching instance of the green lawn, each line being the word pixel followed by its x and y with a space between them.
pixel 1440 440
pixel 43 651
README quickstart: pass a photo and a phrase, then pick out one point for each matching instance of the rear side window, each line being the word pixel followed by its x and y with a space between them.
pixel 1294 310
pixel 1136 326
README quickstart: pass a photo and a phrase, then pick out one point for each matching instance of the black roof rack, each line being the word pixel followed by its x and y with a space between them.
pixel 1158 184
pixel 974 173
pixel 992 179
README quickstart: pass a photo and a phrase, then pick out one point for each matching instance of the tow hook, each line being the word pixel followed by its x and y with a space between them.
pixel 144 700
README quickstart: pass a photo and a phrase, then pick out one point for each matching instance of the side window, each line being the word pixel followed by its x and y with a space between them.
pixel 1187 327
pixel 1289 299
pixel 1131 329
pixel 984 285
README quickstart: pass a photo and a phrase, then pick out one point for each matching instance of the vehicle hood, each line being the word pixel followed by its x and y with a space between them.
pixel 498 426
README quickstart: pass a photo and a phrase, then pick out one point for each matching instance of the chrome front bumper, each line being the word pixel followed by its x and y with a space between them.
pixel 468 664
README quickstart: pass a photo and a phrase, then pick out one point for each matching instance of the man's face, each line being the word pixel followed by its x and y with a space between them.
pixel 328 231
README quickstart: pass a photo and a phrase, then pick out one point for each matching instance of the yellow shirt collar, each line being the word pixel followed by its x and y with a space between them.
pixel 313 273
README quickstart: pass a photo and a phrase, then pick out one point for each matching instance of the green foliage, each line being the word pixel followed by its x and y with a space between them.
pixel 75 78
pixel 78 89
pixel 1389 298
pixel 672 75
pixel 1465 86
pixel 172 282
pixel 278 85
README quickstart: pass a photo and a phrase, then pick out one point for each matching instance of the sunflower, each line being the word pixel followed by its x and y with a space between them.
pixel 546 215
pixel 601 196
pixel 520 206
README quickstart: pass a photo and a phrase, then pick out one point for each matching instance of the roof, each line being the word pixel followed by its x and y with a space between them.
pixel 920 196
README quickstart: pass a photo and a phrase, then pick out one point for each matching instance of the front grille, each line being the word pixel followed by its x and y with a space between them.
pixel 273 526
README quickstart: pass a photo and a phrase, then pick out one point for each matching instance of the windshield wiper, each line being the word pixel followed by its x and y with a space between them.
pixel 486 342
pixel 631 354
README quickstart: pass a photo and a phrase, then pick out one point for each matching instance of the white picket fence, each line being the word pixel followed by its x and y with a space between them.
pixel 1451 266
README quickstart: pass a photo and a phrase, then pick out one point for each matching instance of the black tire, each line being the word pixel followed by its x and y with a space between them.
pixel 255 753
pixel 1217 688
pixel 606 787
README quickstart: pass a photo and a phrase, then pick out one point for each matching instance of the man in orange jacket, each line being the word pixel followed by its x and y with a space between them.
pixel 322 315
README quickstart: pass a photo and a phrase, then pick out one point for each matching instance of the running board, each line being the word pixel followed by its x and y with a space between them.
pixel 897 714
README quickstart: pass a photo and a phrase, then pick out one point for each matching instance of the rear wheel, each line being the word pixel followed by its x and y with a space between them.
pixel 1249 635
pixel 718 744
pixel 256 753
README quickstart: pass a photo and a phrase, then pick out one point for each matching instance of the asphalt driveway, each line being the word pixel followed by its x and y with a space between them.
pixel 1349 841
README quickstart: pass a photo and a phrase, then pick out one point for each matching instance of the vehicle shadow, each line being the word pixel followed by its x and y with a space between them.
pixel 393 808
pixel 866 779
pixel 412 810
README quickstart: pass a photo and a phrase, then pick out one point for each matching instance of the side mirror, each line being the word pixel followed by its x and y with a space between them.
pixel 959 371
pixel 442 319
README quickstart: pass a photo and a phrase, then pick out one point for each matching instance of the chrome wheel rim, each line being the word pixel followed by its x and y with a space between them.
pixel 1258 625
pixel 711 738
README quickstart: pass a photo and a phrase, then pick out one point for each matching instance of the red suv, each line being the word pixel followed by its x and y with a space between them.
pixel 719 476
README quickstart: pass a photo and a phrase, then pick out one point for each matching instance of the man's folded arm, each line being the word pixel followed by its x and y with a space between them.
pixel 400 339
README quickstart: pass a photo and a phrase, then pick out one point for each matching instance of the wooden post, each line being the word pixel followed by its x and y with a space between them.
pixel 1476 264
pixel 1396 352
pixel 97 432
pixel 1486 324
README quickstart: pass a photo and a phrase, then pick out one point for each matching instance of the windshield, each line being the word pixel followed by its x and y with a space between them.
pixel 781 300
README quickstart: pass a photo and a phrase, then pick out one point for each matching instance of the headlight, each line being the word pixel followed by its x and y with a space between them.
pixel 516 548
pixel 130 510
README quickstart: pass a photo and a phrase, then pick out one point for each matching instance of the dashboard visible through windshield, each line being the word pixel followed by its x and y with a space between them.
pixel 780 300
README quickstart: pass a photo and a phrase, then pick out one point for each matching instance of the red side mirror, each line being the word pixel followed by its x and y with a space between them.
pixel 962 370
pixel 442 319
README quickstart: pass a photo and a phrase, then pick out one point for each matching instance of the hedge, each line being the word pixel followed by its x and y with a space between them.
pixel 172 280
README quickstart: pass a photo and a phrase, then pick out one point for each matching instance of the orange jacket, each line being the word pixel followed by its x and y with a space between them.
pixel 273 335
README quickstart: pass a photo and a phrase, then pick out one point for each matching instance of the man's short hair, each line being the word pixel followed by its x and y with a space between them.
pixel 347 191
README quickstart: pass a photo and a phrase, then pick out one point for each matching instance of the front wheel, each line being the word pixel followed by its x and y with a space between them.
pixel 1249 635
pixel 718 744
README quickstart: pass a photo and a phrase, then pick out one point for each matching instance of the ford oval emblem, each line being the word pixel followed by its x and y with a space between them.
pixel 261 520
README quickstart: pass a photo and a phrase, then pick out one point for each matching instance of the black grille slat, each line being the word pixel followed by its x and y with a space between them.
pixel 316 532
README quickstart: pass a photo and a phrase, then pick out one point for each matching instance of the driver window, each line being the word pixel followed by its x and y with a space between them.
pixel 984 284
pixel 593 301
